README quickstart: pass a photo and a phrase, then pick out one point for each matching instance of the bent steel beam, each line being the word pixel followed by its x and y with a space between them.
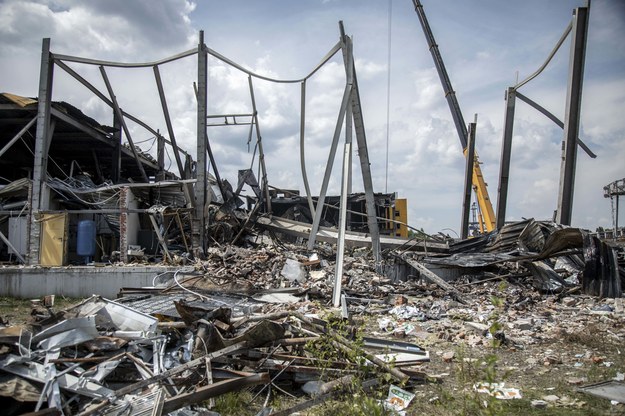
pixel 555 119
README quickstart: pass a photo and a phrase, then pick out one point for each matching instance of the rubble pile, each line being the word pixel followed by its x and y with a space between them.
pixel 258 318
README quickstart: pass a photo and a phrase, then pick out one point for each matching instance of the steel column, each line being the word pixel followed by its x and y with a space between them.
pixel 363 153
pixel 199 221
pixel 160 158
pixel 261 154
pixel 347 164
pixel 468 182
pixel 116 159
pixel 506 150
pixel 328 172
pixel 302 153
pixel 39 194
pixel 572 115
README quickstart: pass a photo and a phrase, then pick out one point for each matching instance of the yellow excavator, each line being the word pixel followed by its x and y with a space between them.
pixel 486 214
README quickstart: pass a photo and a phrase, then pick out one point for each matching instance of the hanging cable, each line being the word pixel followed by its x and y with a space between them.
pixel 388 90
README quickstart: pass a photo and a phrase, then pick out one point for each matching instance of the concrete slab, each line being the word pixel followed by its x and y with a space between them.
pixel 75 281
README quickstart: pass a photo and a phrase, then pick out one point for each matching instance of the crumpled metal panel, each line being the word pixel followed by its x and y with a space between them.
pixel 117 317
pixel 72 331
pixel 36 372
pixel 149 404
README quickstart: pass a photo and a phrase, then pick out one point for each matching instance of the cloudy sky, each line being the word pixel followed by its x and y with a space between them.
pixel 486 45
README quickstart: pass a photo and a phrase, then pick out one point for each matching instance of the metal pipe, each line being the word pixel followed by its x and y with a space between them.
pixel 88 61
pixel 551 55
pixel 230 62
pixel 302 157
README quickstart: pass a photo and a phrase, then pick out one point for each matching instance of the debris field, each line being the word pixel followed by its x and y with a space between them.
pixel 258 317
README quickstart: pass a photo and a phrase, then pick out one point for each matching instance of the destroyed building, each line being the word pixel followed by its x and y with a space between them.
pixel 199 290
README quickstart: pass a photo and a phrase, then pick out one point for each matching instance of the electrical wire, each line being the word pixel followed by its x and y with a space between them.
pixel 388 91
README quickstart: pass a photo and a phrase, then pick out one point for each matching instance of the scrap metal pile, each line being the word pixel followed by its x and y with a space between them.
pixel 257 318
pixel 110 357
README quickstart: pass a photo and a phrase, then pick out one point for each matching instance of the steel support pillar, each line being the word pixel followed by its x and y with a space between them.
pixel 345 183
pixel 328 172
pixel 468 182
pixel 363 154
pixel 116 159
pixel 264 183
pixel 302 158
pixel 170 128
pixel 199 220
pixel 39 193
pixel 160 158
pixel 123 224
pixel 506 150
pixel 572 115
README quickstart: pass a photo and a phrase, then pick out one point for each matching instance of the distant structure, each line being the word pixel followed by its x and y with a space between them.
pixel 613 191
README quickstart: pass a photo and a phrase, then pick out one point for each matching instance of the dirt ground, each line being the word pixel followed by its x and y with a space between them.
pixel 547 349
pixel 545 345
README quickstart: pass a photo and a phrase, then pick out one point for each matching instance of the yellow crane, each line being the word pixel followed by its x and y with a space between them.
pixel 486 214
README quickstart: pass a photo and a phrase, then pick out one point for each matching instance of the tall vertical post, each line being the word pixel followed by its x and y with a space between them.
pixel 572 115
pixel 468 181
pixel 365 165
pixel 160 158
pixel 199 221
pixel 264 184
pixel 616 233
pixel 39 193
pixel 347 163
pixel 506 150
pixel 123 224
pixel 302 128
pixel 116 159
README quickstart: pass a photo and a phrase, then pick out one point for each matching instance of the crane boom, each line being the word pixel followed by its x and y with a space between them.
pixel 487 217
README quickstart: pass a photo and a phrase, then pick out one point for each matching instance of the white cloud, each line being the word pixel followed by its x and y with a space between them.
pixel 287 39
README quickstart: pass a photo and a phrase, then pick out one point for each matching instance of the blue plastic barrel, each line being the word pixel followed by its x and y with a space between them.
pixel 85 240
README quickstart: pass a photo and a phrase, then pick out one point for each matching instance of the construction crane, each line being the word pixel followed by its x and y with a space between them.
pixel 486 214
